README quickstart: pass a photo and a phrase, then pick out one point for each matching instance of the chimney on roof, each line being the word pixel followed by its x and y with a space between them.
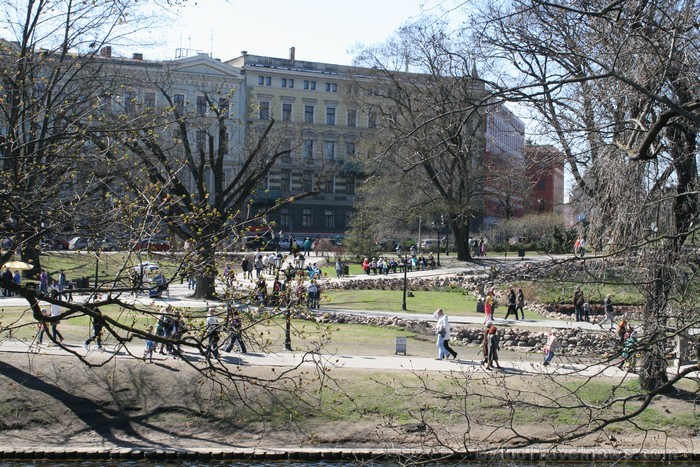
pixel 137 56
pixel 106 51
pixel 244 52
pixel 292 51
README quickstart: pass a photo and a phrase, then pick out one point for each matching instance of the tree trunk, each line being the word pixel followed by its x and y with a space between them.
pixel 460 232
pixel 653 366
pixel 30 254
pixel 204 288
pixel 205 273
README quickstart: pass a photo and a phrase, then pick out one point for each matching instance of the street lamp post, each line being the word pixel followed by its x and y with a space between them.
pixel 399 250
pixel 277 262
pixel 439 226
pixel 447 236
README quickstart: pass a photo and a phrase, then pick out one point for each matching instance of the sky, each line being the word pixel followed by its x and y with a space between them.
pixel 320 30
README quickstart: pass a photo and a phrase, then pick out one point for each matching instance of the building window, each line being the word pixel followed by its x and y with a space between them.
pixel 105 103
pixel 350 185
pixel 352 117
pixel 129 102
pixel 286 112
pixel 285 182
pixel 329 150
pixel 224 107
pixel 261 80
pixel 268 81
pixel 312 85
pixel 306 218
pixel 201 106
pixel 149 100
pixel 283 81
pixel 330 115
pixel 540 185
pixel 306 84
pixel 308 150
pixel 264 111
pixel 284 218
pixel 331 87
pixel 306 181
pixel 200 138
pixel 179 101
pixel 329 186
pixel 290 81
pixel 372 119
pixel 328 218
pixel 349 150
pixel 286 146
pixel 308 114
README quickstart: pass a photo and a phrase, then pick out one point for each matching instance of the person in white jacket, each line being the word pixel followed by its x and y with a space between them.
pixel 442 329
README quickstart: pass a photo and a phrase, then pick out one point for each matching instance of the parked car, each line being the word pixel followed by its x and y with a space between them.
pixel 284 243
pixel 153 244
pixel 57 243
pixel 431 244
pixel 78 243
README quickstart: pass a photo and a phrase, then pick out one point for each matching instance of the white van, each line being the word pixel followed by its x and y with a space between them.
pixel 429 244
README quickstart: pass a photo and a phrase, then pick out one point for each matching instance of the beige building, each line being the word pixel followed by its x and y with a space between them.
pixel 325 129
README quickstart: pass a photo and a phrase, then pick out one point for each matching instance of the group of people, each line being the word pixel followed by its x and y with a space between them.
pixel 10 278
pixel 61 286
pixel 170 328
pixel 490 345
pixel 478 247
pixel 383 265
pixel 516 303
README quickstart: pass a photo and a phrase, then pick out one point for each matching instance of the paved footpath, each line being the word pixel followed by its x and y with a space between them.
pixel 179 297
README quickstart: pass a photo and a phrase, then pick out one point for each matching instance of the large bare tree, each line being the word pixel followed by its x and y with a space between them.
pixel 615 83
pixel 430 110
pixel 50 81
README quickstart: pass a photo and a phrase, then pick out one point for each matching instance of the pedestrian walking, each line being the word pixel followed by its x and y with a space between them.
pixel 493 347
pixel 55 312
pixel 150 345
pixel 488 307
pixel 609 313
pixel 43 329
pixel 520 304
pixel 212 334
pixel 578 304
pixel 97 325
pixel 442 329
pixel 338 268
pixel 629 351
pixel 550 347
pixel 511 305
pixel 236 333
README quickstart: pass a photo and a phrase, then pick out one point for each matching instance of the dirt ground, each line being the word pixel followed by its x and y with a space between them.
pixel 56 401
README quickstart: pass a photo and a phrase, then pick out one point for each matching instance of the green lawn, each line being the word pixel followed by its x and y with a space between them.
pixel 454 303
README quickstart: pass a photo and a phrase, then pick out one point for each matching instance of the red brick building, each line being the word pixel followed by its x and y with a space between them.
pixel 545 170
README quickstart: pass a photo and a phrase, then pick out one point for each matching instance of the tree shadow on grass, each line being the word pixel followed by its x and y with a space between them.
pixel 113 425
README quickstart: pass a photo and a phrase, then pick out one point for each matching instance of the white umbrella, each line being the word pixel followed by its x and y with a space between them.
pixel 18 265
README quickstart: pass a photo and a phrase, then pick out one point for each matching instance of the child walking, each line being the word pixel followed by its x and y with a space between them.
pixel 150 346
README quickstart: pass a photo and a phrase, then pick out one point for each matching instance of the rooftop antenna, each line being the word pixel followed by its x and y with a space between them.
pixel 211 43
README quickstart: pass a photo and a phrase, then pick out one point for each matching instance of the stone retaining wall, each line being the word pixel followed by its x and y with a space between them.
pixel 572 341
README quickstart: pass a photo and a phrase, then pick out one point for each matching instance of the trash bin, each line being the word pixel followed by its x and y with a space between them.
pixel 521 252
pixel 479 306
pixel 401 345
pixel 346 270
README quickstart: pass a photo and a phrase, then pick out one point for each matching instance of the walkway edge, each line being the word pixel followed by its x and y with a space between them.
pixel 350 454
